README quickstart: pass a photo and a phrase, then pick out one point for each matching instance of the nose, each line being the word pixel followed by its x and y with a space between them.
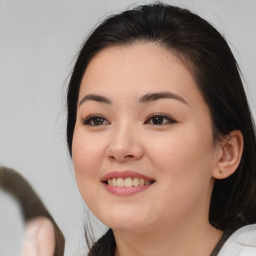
pixel 125 145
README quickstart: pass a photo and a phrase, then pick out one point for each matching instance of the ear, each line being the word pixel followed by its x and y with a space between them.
pixel 229 155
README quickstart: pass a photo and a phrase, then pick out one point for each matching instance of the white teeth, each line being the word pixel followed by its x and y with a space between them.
pixel 136 182
pixel 120 182
pixel 127 182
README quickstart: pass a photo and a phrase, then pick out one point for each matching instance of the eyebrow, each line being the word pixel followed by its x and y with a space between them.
pixel 94 97
pixel 161 95
pixel 149 97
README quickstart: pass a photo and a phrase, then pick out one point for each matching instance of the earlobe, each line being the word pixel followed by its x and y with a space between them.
pixel 229 156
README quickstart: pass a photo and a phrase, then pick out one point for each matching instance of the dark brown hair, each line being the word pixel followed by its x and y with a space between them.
pixel 207 55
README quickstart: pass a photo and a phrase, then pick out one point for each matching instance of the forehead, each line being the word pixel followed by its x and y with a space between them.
pixel 137 57
pixel 144 66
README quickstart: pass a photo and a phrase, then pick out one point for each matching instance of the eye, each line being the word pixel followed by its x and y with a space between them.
pixel 160 119
pixel 95 120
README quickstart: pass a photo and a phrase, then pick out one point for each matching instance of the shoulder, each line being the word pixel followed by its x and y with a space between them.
pixel 241 243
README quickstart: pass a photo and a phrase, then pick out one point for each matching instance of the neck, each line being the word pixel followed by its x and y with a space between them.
pixel 187 239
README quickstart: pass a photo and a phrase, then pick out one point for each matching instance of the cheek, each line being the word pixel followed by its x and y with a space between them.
pixel 184 162
pixel 184 176
pixel 191 148
pixel 87 151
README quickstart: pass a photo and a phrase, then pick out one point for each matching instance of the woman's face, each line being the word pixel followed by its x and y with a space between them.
pixel 143 148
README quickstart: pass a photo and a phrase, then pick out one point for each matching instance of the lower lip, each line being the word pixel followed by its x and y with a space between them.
pixel 124 191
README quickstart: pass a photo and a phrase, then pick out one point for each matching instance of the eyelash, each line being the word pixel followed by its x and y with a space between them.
pixel 167 118
pixel 91 118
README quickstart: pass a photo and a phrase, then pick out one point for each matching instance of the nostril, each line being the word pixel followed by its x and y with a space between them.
pixel 121 158
pixel 129 156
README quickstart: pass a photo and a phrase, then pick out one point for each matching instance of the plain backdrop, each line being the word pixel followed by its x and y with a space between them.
pixel 38 43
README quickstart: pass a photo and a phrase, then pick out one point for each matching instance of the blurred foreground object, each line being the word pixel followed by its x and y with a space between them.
pixel 41 231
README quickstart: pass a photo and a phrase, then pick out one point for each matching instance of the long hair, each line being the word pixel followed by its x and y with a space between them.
pixel 204 51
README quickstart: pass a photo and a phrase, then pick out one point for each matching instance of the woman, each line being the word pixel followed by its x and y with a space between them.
pixel 161 136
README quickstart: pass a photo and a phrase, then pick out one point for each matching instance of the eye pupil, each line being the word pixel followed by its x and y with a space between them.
pixel 98 121
pixel 157 120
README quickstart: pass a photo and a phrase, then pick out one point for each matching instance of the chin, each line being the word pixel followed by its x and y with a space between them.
pixel 128 215
pixel 127 227
pixel 125 222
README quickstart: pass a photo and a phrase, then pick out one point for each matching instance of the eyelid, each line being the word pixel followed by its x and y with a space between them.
pixel 160 114
pixel 86 119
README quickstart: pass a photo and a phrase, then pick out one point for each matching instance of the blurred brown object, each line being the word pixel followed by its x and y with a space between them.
pixel 31 206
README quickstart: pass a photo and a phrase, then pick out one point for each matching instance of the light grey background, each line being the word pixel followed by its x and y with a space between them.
pixel 38 41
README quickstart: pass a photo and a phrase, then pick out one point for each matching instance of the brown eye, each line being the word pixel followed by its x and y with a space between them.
pixel 95 121
pixel 159 119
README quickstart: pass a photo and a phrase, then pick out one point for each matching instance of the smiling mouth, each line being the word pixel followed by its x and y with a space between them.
pixel 128 182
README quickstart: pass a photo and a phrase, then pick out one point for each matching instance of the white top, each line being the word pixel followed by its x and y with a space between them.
pixel 241 243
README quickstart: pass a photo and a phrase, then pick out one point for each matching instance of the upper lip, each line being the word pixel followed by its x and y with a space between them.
pixel 125 174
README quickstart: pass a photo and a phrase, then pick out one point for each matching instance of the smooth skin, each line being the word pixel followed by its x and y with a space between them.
pixel 168 138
